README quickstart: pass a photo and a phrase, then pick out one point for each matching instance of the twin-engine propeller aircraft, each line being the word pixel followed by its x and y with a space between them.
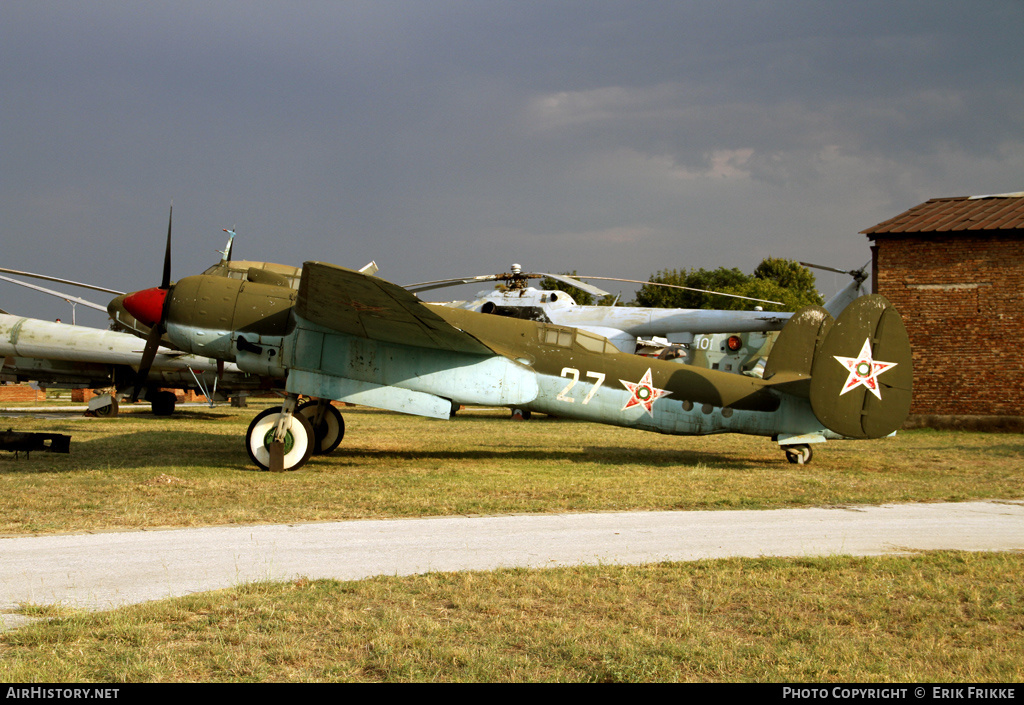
pixel 348 336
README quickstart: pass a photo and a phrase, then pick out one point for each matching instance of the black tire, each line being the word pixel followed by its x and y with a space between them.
pixel 800 454
pixel 163 403
pixel 108 410
pixel 331 430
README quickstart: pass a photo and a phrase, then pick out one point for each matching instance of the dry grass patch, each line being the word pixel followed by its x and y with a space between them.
pixel 938 617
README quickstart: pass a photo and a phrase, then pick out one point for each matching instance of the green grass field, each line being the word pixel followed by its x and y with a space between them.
pixel 939 617
pixel 139 471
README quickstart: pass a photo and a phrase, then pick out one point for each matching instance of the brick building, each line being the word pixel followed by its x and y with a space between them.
pixel 954 268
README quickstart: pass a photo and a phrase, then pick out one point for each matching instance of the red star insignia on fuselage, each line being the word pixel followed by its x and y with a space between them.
pixel 643 393
pixel 864 370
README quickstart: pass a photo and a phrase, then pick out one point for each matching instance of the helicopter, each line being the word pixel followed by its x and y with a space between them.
pixel 625 326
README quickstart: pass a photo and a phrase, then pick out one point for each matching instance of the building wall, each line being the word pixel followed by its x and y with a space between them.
pixel 961 296
pixel 20 392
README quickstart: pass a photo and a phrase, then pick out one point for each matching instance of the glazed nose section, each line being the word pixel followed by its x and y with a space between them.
pixel 146 306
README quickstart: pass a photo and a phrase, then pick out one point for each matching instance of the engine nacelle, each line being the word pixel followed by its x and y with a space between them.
pixel 230 319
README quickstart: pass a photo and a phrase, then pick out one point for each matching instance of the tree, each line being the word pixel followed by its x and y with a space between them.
pixel 720 279
pixel 775 279
pixel 788 274
pixel 795 283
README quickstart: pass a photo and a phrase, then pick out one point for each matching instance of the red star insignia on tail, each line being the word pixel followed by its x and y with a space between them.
pixel 864 370
pixel 643 393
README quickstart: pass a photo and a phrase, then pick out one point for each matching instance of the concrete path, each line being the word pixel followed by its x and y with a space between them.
pixel 104 570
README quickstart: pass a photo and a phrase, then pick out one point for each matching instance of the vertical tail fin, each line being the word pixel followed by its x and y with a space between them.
pixel 862 376
pixel 856 370
pixel 793 353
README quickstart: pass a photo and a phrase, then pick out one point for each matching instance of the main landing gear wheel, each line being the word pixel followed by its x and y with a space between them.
pixel 331 429
pixel 298 439
pixel 799 454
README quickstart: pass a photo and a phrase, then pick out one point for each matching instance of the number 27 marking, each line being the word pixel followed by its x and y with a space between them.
pixel 575 374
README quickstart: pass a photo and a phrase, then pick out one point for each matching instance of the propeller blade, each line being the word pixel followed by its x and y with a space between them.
pixel 687 288
pixel 148 355
pixel 157 308
pixel 166 282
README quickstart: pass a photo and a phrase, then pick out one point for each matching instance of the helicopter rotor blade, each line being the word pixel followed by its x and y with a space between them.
pixel 687 288
pixel 58 294
pixel 859 274
pixel 441 283
pixel 514 276
pixel 827 269
pixel 570 280
pixel 69 282
pixel 574 282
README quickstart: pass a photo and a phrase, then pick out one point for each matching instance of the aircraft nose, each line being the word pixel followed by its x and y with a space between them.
pixel 146 306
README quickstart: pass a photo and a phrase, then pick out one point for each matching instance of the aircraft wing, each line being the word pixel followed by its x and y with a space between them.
pixel 364 306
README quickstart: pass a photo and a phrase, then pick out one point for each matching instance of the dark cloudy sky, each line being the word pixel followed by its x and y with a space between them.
pixel 447 138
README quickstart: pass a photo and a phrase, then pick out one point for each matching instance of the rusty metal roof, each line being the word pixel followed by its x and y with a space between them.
pixel 958 214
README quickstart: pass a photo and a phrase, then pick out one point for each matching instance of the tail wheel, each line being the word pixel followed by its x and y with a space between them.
pixel 331 429
pixel 799 454
pixel 298 440
pixel 108 410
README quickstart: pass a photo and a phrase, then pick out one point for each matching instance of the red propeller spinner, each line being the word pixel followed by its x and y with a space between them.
pixel 146 306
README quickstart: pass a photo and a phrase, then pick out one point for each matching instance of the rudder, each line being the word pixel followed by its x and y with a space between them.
pixel 862 374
